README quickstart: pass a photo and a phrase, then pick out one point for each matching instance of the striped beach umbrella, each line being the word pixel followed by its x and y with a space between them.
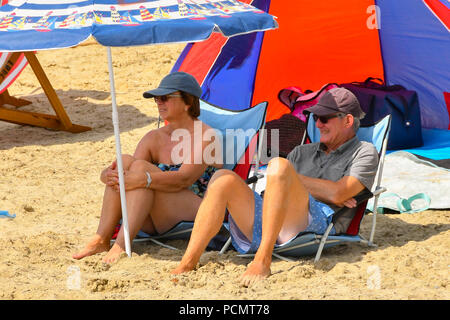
pixel 22 24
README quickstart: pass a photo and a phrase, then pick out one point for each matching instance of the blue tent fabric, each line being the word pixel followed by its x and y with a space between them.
pixel 234 69
pixel 436 144
pixel 436 148
pixel 46 24
pixel 416 54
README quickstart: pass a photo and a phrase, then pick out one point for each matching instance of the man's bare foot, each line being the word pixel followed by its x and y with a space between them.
pixel 256 271
pixel 182 268
pixel 95 245
pixel 114 254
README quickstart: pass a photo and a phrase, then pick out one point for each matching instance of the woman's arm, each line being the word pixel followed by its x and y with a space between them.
pixel 196 158
pixel 174 181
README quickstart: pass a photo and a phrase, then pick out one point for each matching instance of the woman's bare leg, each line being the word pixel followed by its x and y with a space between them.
pixel 153 211
pixel 110 216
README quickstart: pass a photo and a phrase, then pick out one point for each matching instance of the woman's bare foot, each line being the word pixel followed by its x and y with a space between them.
pixel 113 254
pixel 256 271
pixel 96 245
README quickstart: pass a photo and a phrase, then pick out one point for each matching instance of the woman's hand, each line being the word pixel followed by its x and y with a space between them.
pixel 132 180
pixel 107 172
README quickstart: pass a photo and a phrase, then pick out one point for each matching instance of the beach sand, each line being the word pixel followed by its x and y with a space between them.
pixel 50 180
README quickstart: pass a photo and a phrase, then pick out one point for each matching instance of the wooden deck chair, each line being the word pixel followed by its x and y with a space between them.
pixel 11 64
pixel 307 243
pixel 241 133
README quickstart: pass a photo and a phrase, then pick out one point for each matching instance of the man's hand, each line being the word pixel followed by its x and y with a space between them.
pixel 349 203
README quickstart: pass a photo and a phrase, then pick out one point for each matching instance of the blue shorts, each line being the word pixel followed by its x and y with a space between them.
pixel 320 215
pixel 238 239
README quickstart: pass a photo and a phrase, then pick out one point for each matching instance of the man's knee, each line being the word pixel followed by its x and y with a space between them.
pixel 222 180
pixel 279 168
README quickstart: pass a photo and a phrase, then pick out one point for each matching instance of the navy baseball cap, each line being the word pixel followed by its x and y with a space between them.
pixel 337 100
pixel 177 81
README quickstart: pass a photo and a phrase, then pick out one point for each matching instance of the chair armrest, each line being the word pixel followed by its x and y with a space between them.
pixel 379 191
pixel 254 178
pixel 364 195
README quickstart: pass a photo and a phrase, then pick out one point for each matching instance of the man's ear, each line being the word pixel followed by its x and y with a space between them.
pixel 349 120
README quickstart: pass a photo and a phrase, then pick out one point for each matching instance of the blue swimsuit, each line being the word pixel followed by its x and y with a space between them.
pixel 199 186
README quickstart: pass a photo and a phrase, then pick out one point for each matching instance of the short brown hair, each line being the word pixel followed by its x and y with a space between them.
pixel 193 102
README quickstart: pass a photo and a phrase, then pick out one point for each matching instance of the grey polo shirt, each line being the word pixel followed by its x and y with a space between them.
pixel 354 158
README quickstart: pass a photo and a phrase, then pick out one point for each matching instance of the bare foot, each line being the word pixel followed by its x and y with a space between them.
pixel 114 254
pixel 96 245
pixel 182 269
pixel 256 271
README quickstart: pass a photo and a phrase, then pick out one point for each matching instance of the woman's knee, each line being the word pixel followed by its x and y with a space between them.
pixel 139 165
pixel 127 161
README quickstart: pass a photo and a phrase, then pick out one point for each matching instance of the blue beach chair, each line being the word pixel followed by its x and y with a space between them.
pixel 307 243
pixel 310 243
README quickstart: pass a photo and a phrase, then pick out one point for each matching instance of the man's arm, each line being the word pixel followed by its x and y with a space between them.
pixel 339 193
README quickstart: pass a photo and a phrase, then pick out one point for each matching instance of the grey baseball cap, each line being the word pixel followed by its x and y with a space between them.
pixel 176 81
pixel 337 100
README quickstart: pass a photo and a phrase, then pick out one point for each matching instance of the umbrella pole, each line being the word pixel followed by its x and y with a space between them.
pixel 115 118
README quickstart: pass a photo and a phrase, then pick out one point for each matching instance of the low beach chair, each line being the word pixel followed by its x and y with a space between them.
pixel 11 65
pixel 241 133
pixel 307 243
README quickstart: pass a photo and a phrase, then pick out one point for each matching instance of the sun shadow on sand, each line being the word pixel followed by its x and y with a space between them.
pixel 88 108
pixel 391 232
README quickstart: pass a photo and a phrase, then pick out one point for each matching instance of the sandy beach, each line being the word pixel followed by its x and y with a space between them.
pixel 50 180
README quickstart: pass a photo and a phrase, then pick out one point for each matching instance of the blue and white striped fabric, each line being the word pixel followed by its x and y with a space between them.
pixel 27 25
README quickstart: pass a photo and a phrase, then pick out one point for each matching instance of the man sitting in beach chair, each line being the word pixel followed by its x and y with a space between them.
pixel 302 191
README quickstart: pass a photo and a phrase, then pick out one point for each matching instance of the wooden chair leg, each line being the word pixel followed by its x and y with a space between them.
pixel 59 122
pixel 6 98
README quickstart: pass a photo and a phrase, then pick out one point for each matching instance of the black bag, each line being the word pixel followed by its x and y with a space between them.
pixel 378 100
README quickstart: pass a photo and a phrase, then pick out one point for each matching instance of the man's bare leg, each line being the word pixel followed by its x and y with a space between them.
pixel 285 213
pixel 225 190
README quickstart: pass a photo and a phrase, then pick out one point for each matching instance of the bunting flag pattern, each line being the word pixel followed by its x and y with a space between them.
pixel 48 24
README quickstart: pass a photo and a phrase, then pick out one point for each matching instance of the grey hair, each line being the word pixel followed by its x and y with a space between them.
pixel 356 124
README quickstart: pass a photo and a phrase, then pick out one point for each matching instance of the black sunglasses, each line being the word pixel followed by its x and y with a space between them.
pixel 166 97
pixel 324 119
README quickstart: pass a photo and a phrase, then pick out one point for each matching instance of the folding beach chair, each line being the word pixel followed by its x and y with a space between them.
pixel 11 64
pixel 241 133
pixel 307 243
pixel 310 243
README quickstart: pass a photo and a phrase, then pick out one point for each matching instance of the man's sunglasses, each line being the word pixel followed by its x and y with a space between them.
pixel 324 119
pixel 166 97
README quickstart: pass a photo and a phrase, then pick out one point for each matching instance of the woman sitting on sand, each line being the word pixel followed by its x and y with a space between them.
pixel 160 191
